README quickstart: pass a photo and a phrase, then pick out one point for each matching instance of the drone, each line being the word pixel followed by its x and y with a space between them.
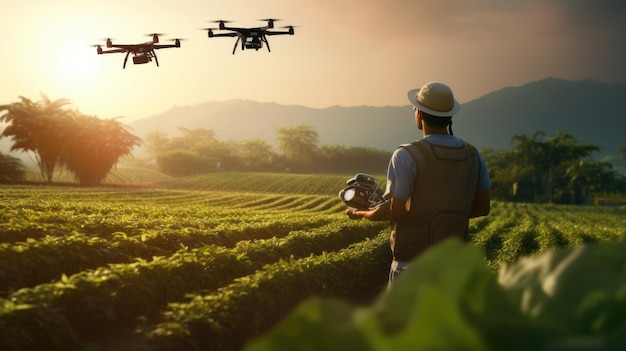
pixel 142 53
pixel 251 38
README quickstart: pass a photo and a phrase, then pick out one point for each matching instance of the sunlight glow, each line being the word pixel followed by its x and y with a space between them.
pixel 77 63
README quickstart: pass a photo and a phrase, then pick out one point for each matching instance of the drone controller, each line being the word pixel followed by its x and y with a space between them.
pixel 362 192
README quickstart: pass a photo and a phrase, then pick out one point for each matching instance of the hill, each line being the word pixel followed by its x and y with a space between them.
pixel 244 119
pixel 591 111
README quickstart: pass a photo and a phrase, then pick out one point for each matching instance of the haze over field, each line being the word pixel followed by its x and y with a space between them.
pixel 343 52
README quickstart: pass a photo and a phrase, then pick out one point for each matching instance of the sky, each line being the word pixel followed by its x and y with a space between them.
pixel 344 52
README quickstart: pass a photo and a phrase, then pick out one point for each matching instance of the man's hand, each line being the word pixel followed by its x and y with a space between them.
pixel 352 213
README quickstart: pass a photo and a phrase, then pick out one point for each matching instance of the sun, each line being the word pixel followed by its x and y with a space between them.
pixel 77 62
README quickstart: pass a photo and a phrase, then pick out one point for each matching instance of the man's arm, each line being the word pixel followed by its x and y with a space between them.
pixel 481 204
pixel 388 210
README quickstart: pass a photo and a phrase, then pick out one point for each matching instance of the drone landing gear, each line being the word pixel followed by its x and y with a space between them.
pixel 267 44
pixel 125 59
pixel 237 42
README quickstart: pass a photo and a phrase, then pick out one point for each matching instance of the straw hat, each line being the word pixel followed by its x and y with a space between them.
pixel 435 99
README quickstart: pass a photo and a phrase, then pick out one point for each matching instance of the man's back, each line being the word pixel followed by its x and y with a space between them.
pixel 445 182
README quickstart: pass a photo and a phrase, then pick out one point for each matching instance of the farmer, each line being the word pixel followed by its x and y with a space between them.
pixel 434 185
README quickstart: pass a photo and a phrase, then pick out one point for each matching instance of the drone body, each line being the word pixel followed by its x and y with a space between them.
pixel 250 38
pixel 142 52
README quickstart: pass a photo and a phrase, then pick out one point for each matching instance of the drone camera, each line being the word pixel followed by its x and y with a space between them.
pixel 253 43
pixel 362 192
pixel 141 59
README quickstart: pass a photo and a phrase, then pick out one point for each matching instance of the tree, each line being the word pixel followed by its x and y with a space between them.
pixel 11 168
pixel 180 163
pixel 338 158
pixel 528 152
pixel 37 127
pixel 256 154
pixel 561 149
pixel 298 144
pixel 156 142
pixel 512 176
pixel 192 138
pixel 94 146
pixel 587 178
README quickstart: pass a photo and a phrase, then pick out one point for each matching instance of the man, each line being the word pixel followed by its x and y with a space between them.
pixel 434 185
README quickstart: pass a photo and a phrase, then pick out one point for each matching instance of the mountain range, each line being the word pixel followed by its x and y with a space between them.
pixel 589 110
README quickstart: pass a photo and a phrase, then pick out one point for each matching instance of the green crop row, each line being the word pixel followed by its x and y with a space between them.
pixel 227 318
pixel 517 230
pixel 223 258
pixel 32 262
pixel 310 184
pixel 40 218
pixel 87 304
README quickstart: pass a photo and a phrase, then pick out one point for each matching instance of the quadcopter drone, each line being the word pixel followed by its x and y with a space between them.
pixel 251 38
pixel 142 53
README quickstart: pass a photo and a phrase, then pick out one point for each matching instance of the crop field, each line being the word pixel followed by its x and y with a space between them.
pixel 210 263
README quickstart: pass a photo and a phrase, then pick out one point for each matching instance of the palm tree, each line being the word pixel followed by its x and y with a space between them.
pixel 94 146
pixel 588 178
pixel 37 127
pixel 528 152
pixel 512 175
pixel 562 149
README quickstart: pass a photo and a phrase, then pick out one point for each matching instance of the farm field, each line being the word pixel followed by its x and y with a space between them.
pixel 213 262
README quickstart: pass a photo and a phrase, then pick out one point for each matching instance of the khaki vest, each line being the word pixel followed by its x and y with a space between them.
pixel 444 188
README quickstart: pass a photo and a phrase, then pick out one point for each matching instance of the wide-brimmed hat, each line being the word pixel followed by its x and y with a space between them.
pixel 435 99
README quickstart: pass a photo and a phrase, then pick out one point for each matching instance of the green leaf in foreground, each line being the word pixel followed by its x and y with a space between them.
pixel 568 299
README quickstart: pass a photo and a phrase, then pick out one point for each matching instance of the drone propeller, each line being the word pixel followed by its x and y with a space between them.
pixel 177 41
pixel 290 29
pixel 155 37
pixel 270 21
pixel 209 31
pixel 221 23
pixel 98 47
pixel 109 41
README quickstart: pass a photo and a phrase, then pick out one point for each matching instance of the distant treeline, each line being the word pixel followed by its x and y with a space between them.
pixel 198 151
pixel 551 169
pixel 538 168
